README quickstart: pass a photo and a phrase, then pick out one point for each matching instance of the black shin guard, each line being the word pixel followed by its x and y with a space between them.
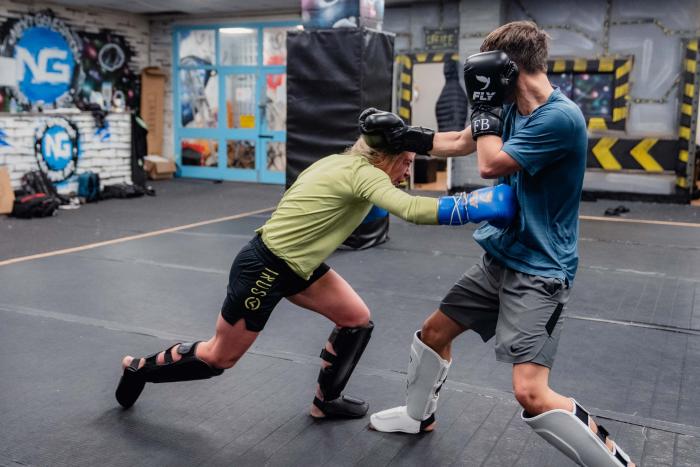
pixel 188 368
pixel 348 344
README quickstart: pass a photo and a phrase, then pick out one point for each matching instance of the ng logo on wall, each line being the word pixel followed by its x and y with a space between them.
pixel 57 148
pixel 56 65
pixel 45 65
pixel 46 55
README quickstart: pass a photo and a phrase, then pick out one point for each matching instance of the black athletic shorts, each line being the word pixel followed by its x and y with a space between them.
pixel 258 281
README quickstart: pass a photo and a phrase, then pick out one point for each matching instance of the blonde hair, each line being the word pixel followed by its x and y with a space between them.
pixel 374 156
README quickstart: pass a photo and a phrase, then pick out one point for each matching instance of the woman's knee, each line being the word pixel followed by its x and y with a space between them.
pixel 223 362
pixel 358 318
pixel 217 358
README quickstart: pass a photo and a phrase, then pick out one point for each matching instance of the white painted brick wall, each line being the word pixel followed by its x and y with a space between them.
pixel 111 159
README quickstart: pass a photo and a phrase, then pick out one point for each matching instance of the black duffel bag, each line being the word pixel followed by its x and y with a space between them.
pixel 35 205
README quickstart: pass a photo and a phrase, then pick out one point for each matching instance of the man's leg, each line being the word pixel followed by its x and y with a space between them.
pixel 438 332
pixel 472 303
pixel 562 422
pixel 430 359
pixel 332 297
pixel 185 362
pixel 529 326
pixel 532 391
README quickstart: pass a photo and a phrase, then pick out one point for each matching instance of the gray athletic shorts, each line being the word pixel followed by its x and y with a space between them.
pixel 523 311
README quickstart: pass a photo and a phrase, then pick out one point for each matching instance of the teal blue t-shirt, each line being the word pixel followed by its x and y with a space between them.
pixel 550 145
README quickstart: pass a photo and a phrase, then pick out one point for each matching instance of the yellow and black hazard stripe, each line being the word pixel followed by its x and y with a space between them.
pixel 406 63
pixel 620 68
pixel 648 154
pixel 688 111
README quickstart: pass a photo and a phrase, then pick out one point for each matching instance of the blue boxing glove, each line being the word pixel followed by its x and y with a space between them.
pixel 496 205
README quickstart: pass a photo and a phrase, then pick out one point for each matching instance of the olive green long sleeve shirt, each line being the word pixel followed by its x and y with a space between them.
pixel 327 202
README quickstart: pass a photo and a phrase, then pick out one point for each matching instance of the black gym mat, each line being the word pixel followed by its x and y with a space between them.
pixel 630 351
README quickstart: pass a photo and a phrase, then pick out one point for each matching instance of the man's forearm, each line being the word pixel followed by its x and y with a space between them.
pixel 488 147
pixel 453 143
pixel 493 162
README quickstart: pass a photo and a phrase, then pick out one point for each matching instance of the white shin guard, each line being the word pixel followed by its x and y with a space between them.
pixel 570 433
pixel 427 372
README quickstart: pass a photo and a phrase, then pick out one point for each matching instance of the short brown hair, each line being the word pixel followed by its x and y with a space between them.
pixel 523 41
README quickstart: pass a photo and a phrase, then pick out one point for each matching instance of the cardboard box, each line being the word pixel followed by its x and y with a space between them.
pixel 7 195
pixel 159 167
pixel 153 106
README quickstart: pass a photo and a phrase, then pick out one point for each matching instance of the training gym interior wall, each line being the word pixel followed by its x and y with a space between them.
pixel 161 55
pixel 577 30
pixel 105 151
pixel 652 33
pixel 649 31
pixel 408 22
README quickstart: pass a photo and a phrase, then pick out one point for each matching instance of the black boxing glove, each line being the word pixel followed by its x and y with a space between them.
pixel 489 78
pixel 387 132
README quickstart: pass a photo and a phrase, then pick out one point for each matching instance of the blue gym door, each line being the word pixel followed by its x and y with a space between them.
pixel 230 97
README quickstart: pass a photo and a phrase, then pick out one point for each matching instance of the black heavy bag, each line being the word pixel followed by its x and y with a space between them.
pixel 332 75
pixel 373 231
pixel 452 107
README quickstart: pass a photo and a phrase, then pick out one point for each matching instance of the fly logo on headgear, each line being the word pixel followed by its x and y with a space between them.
pixel 483 79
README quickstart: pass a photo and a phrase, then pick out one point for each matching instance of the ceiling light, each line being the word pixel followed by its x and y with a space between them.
pixel 237 30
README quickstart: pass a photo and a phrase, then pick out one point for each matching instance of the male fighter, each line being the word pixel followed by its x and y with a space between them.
pixel 532 137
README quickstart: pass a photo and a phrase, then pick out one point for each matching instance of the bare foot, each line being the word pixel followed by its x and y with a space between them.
pixel 126 361
pixel 316 412
pixel 430 427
